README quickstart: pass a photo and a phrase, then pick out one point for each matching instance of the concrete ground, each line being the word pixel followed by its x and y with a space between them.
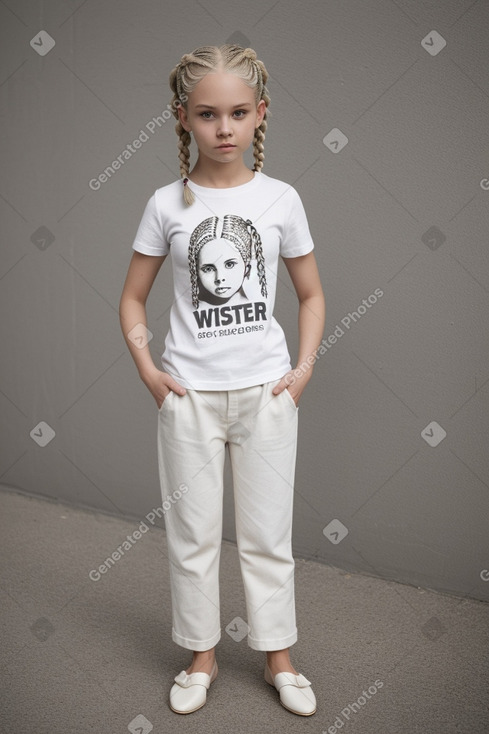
pixel 82 654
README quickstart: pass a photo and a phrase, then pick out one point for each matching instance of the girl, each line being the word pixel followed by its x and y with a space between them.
pixel 225 376
pixel 209 264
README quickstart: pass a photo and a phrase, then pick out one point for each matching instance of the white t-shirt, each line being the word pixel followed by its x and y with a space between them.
pixel 224 250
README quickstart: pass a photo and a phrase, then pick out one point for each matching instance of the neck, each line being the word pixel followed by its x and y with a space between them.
pixel 220 176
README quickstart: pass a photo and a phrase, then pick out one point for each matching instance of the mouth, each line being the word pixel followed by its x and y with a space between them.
pixel 226 146
pixel 221 291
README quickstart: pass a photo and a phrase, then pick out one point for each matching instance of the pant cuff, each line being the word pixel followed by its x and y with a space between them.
pixel 198 645
pixel 274 644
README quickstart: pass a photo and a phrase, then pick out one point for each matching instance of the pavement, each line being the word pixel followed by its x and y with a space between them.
pixel 87 651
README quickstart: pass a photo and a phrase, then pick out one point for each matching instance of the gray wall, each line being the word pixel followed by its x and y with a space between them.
pixel 402 207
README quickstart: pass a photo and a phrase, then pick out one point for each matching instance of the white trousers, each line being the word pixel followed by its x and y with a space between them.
pixel 261 431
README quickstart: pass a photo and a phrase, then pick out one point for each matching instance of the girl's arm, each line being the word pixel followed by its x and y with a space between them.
pixel 304 274
pixel 142 272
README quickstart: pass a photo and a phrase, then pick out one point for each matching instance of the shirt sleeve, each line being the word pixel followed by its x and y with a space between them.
pixel 149 238
pixel 296 239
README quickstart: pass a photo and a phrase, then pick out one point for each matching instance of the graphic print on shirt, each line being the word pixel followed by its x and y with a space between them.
pixel 227 277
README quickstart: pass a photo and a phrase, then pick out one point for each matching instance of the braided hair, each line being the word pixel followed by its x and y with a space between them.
pixel 191 69
pixel 240 233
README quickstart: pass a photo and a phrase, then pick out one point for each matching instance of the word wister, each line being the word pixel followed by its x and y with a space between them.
pixel 224 315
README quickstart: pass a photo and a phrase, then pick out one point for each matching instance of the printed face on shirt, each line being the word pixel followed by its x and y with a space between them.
pixel 221 271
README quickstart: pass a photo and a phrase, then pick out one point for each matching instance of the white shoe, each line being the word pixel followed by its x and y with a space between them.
pixel 295 691
pixel 189 692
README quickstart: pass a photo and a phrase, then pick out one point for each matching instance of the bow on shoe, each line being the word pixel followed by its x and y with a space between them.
pixel 288 679
pixel 189 692
pixel 186 680
pixel 295 691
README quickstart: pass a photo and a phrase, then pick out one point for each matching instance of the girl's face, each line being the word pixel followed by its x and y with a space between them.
pixel 221 269
pixel 222 115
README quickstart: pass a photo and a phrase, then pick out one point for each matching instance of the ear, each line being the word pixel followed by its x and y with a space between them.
pixel 260 112
pixel 247 271
pixel 182 116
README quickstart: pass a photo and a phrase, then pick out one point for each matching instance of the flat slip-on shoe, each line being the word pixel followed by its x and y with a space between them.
pixel 189 692
pixel 295 692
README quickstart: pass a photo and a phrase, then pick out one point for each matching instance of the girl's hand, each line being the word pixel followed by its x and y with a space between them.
pixel 160 384
pixel 294 383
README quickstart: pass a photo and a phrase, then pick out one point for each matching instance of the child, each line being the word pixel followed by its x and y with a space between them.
pixel 219 276
pixel 226 377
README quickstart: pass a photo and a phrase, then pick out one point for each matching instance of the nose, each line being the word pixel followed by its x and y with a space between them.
pixel 219 278
pixel 224 129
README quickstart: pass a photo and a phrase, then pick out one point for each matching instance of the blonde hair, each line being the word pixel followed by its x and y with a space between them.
pixel 191 69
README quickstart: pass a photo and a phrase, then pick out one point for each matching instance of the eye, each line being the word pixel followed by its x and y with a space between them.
pixel 207 268
pixel 206 115
pixel 229 264
pixel 240 114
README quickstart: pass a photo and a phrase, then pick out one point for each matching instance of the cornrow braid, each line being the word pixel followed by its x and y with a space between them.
pixel 184 137
pixel 187 74
pixel 247 241
pixel 203 233
pixel 259 137
pixel 240 233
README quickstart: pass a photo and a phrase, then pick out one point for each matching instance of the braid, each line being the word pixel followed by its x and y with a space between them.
pixel 184 154
pixel 243 235
pixel 203 233
pixel 260 259
pixel 259 138
pixel 240 233
pixel 258 147
pixel 187 74
pixel 257 77
pixel 184 157
pixel 184 137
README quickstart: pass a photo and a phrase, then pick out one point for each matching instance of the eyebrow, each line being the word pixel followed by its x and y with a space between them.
pixel 228 260
pixel 210 107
